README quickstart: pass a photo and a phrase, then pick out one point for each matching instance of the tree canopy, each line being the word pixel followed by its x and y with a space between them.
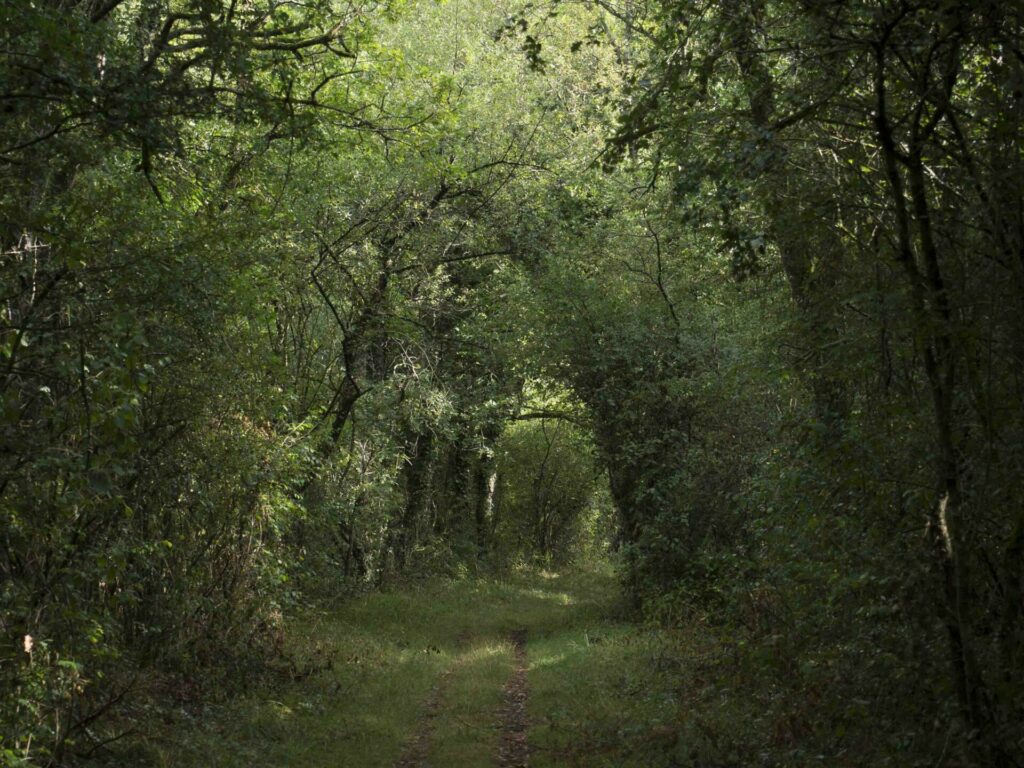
pixel 305 298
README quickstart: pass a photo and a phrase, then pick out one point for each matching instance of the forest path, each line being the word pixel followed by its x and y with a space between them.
pixel 536 669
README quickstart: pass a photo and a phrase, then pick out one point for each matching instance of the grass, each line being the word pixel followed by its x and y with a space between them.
pixel 602 691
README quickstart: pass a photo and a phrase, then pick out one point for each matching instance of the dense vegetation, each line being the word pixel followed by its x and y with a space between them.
pixel 305 298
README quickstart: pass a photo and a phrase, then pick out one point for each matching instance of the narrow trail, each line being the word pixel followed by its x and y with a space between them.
pixel 513 749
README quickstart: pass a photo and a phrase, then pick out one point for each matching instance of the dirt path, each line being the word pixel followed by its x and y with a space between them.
pixel 513 749
pixel 433 677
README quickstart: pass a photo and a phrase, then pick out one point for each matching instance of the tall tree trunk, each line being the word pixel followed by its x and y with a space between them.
pixel 933 317
pixel 809 248
pixel 419 473
pixel 485 478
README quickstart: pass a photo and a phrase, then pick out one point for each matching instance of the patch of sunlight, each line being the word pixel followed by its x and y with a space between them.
pixel 563 598
pixel 548 660
pixel 483 651
pixel 280 709
pixel 545 574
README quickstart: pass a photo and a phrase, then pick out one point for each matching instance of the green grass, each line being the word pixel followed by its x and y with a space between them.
pixel 466 732
pixel 386 654
pixel 597 694
pixel 603 691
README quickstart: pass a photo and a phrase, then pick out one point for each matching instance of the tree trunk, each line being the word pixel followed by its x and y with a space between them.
pixel 419 473
pixel 486 479
pixel 801 228
pixel 933 317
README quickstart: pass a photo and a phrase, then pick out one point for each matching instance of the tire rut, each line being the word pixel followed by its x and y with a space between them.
pixel 513 748
pixel 417 749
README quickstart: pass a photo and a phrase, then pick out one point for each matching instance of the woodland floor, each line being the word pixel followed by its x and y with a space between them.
pixel 539 669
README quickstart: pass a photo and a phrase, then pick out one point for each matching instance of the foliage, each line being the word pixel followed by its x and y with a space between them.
pixel 302 299
pixel 550 503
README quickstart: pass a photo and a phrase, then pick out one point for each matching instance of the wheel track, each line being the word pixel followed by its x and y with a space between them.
pixel 513 747
pixel 417 749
